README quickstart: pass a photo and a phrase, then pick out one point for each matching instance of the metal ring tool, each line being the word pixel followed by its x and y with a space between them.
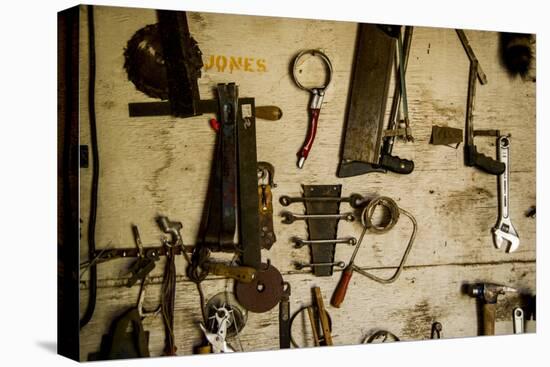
pixel 366 220
pixel 317 93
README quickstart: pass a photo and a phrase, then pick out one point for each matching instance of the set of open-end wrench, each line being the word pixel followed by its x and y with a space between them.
pixel 322 217
pixel 238 218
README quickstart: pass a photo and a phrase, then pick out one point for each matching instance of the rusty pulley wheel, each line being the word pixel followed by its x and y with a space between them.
pixel 262 294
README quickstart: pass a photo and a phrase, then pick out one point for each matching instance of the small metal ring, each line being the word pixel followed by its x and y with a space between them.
pixel 504 141
pixel 323 57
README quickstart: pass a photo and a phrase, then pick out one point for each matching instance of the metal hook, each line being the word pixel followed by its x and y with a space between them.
pixel 266 173
pixel 141 298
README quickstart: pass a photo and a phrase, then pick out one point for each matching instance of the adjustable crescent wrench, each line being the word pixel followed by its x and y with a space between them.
pixel 504 231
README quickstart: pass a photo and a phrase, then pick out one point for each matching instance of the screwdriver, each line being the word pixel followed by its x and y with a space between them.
pixel 342 287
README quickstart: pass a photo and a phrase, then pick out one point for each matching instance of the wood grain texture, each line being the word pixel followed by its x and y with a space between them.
pixel 161 165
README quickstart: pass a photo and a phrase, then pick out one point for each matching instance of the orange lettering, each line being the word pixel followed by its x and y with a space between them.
pixel 221 63
pixel 260 63
pixel 247 64
pixel 235 63
pixel 211 65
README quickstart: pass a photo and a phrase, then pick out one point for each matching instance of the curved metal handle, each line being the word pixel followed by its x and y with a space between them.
pixel 316 101
pixel 310 137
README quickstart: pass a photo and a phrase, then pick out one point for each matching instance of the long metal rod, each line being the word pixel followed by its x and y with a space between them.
pixel 402 82
pixel 396 101
pixel 471 55
pixel 403 259
pixel 469 136
pixel 357 247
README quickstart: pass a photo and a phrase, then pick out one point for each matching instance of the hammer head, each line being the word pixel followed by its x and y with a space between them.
pixel 489 292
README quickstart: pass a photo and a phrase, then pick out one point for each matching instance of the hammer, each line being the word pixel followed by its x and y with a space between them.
pixel 488 294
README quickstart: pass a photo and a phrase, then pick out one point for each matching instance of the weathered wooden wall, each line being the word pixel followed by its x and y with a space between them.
pixel 161 165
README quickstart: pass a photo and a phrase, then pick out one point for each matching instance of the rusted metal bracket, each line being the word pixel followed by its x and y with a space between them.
pixel 284 317
pixel 233 195
pixel 266 173
pixel 320 229
pixel 131 252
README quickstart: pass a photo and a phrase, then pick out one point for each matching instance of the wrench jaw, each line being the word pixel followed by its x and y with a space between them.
pixel 349 217
pixel 509 237
pixel 288 218
pixel 285 200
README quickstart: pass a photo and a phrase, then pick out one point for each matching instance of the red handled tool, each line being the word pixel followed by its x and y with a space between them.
pixel 366 220
pixel 342 287
pixel 317 93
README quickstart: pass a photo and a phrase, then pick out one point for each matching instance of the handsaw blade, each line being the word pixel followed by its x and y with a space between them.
pixel 368 94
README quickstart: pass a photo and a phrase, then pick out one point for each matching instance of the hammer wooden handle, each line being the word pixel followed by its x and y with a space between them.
pixel 489 312
pixel 342 287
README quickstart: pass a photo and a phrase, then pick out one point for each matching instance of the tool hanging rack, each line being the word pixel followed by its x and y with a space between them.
pixel 239 211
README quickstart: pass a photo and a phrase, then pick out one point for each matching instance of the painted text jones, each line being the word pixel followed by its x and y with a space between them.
pixel 230 64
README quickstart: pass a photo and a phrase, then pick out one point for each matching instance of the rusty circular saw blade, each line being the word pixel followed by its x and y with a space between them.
pixel 145 65
pixel 144 62
pixel 262 294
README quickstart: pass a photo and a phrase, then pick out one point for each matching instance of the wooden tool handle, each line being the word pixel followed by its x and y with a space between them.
pixel 342 287
pixel 313 326
pixel 325 326
pixel 272 113
pixel 203 349
pixel 489 312
pixel 243 274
